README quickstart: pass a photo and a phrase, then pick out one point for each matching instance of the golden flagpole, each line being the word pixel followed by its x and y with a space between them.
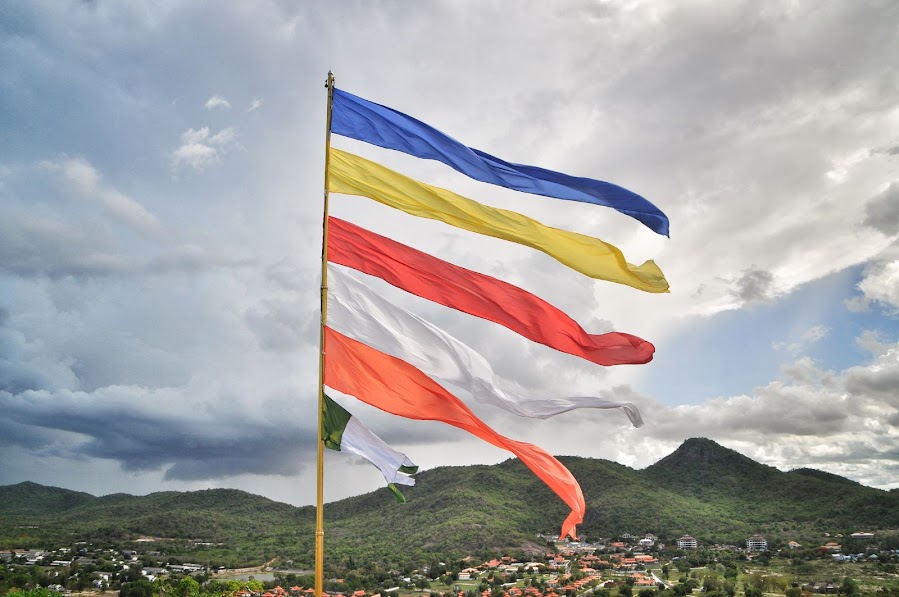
pixel 320 492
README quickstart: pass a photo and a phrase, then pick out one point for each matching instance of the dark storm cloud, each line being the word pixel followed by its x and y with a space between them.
pixel 144 430
pixel 882 211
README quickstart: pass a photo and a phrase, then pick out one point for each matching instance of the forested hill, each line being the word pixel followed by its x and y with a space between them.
pixel 701 489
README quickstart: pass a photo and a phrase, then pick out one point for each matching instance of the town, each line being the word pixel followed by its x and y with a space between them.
pixel 626 565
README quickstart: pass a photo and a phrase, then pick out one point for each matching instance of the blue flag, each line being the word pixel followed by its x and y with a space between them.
pixel 360 119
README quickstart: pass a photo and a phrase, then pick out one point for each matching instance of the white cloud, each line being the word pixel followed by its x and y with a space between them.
pixel 217 102
pixel 815 333
pixel 200 149
pixel 881 284
pixel 872 341
pixel 255 105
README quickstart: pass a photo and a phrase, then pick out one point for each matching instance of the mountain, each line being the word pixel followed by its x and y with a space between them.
pixel 702 489
pixel 741 489
pixel 32 499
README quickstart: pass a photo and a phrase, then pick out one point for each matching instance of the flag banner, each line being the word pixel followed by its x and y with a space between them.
pixel 354 175
pixel 362 314
pixel 343 432
pixel 360 119
pixel 477 294
pixel 397 387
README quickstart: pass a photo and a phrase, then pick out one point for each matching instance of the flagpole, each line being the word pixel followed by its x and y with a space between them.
pixel 320 492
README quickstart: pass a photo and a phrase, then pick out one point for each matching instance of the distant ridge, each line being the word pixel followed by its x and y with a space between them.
pixel 32 499
pixel 703 489
pixel 810 472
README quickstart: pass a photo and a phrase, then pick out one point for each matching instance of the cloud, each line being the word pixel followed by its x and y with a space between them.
pixel 815 418
pixel 755 130
pixel 815 333
pixel 85 180
pixel 44 245
pixel 150 430
pixel 192 259
pixel 753 285
pixel 882 211
pixel 881 284
pixel 200 148
pixel 217 102
pixel 871 341
pixel 858 304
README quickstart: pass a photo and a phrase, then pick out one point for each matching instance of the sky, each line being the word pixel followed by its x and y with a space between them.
pixel 161 186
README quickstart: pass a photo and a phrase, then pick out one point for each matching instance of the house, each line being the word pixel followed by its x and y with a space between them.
pixel 862 535
pixel 468 574
pixel 646 542
pixel 756 543
pixel 687 542
pixel 794 545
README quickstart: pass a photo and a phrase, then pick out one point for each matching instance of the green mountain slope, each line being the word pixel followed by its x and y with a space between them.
pixel 702 489
pixel 761 496
pixel 31 499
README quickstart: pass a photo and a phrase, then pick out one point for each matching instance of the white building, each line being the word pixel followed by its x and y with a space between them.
pixel 756 543
pixel 687 542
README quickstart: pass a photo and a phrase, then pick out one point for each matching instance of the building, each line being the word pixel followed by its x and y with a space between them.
pixel 687 542
pixel 756 543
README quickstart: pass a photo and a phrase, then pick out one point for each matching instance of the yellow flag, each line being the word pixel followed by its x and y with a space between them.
pixel 353 175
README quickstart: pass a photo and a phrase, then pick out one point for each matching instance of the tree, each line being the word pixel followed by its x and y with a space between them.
pixel 188 587
pixel 849 587
pixel 137 588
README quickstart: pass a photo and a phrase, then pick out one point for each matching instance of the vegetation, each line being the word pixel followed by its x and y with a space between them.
pixel 702 489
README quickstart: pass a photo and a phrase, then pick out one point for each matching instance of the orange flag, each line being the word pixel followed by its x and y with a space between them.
pixel 397 387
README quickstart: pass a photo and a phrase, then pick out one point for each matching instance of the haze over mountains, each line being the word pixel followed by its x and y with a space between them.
pixel 701 489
